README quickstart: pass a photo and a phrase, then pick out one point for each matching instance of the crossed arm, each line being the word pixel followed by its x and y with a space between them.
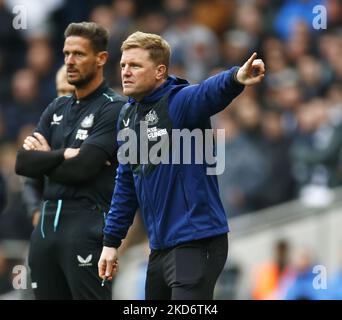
pixel 67 166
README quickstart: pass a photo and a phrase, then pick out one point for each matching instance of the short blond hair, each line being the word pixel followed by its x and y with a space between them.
pixel 158 48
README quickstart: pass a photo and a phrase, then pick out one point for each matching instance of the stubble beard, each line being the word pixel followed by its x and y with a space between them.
pixel 82 81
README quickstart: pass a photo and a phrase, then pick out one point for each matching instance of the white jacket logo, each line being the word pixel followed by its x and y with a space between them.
pixel 56 119
pixel 85 262
pixel 88 121
pixel 81 134
pixel 151 118
pixel 126 123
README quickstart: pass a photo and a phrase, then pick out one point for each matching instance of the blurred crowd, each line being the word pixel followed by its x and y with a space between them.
pixel 295 274
pixel 283 138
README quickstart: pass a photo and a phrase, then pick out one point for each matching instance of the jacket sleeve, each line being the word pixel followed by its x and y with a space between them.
pixel 123 207
pixel 195 104
pixel 99 147
pixel 85 166
pixel 35 164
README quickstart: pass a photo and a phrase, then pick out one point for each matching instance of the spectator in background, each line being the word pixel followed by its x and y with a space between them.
pixel 246 166
pixel 63 87
pixel 194 46
pixel 12 50
pixel 153 22
pixel 119 19
pixel 249 20
pixel 215 14
pixel 15 227
pixel 334 10
pixel 329 46
pixel 236 47
pixel 301 285
pixel 40 59
pixel 291 12
pixel 315 152
pixel 279 185
pixel 299 43
pixel 14 223
pixel 25 106
pixel 269 278
pixel 313 79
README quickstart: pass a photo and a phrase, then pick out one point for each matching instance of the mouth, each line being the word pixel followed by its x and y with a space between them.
pixel 127 83
pixel 72 72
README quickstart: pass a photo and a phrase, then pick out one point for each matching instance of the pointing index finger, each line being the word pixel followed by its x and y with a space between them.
pixel 251 59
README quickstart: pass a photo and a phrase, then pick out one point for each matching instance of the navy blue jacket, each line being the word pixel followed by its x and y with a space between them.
pixel 178 202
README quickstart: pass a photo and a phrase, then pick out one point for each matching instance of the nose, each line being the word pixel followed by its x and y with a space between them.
pixel 126 71
pixel 69 59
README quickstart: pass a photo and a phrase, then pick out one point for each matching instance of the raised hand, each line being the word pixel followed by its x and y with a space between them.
pixel 252 72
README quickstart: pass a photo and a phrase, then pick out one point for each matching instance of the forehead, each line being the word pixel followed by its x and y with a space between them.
pixel 135 55
pixel 77 43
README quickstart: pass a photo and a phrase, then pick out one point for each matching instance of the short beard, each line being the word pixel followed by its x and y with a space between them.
pixel 82 82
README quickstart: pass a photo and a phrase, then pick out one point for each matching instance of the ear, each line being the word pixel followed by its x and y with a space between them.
pixel 160 72
pixel 101 58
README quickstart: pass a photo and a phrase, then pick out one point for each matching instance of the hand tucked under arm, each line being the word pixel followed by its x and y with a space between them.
pixel 36 158
pixel 36 142
pixel 70 153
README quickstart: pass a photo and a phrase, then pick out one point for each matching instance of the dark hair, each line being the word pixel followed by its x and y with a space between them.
pixel 97 35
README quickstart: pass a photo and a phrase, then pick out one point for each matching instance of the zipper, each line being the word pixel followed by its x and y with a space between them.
pixel 151 207
pixel 154 218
